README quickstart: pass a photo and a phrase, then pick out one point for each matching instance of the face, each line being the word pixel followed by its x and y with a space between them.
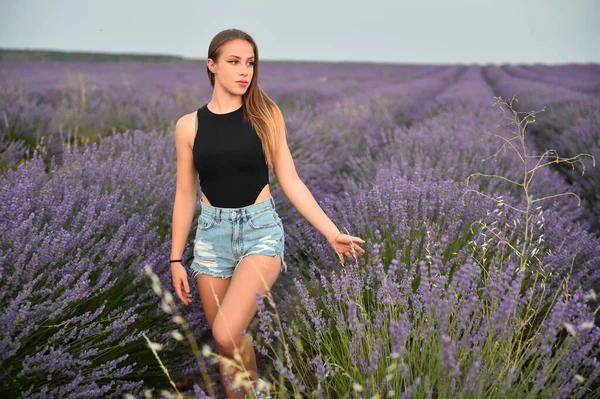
pixel 236 63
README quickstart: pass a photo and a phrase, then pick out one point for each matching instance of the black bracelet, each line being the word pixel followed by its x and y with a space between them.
pixel 175 260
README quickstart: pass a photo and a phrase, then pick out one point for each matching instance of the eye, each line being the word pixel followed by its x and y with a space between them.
pixel 250 62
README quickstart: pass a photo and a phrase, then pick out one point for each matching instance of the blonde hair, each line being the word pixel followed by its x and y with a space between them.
pixel 258 107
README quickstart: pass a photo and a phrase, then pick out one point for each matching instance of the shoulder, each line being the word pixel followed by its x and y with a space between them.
pixel 276 111
pixel 278 117
pixel 185 128
pixel 279 121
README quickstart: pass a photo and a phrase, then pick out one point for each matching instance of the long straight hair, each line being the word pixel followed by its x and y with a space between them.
pixel 257 105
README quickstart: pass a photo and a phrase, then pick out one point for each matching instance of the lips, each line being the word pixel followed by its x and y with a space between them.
pixel 242 83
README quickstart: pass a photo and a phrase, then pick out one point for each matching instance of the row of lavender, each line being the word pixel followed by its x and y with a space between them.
pixel 387 160
pixel 400 192
pixel 47 105
pixel 570 124
pixel 52 103
pixel 63 224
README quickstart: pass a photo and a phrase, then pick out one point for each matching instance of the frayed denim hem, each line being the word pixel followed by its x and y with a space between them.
pixel 280 253
pixel 195 271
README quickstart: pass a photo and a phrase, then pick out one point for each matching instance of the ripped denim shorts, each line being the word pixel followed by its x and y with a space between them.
pixel 225 236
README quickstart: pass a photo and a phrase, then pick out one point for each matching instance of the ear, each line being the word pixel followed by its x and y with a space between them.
pixel 211 65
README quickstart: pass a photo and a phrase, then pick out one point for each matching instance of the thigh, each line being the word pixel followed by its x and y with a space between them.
pixel 212 291
pixel 254 273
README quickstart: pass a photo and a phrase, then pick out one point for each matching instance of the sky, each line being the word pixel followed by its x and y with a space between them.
pixel 387 31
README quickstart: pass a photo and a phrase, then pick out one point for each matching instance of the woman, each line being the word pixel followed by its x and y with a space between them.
pixel 231 142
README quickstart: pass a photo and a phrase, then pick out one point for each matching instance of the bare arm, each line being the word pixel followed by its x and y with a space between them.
pixel 303 200
pixel 186 191
pixel 294 188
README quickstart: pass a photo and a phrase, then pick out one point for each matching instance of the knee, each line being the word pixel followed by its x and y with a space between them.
pixel 226 340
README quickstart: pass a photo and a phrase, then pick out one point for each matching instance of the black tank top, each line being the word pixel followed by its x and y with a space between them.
pixel 229 158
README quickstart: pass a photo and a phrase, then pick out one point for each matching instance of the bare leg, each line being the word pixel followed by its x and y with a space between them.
pixel 209 287
pixel 239 307
pixel 248 357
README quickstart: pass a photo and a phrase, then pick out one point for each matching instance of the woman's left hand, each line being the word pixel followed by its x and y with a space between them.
pixel 344 244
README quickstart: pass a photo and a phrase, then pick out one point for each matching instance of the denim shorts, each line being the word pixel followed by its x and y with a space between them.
pixel 225 236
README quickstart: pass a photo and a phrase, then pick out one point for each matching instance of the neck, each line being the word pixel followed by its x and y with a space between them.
pixel 224 102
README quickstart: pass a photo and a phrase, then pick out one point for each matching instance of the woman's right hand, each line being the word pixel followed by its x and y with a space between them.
pixel 180 283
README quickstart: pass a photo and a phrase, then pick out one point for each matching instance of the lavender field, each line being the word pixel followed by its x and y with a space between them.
pixel 469 287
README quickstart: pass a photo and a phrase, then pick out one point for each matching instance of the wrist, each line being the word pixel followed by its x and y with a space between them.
pixel 333 236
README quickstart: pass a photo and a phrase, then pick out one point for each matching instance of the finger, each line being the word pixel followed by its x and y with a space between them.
pixel 357 239
pixel 360 249
pixel 186 287
pixel 353 244
pixel 178 292
pixel 182 294
pixel 355 254
pixel 357 247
